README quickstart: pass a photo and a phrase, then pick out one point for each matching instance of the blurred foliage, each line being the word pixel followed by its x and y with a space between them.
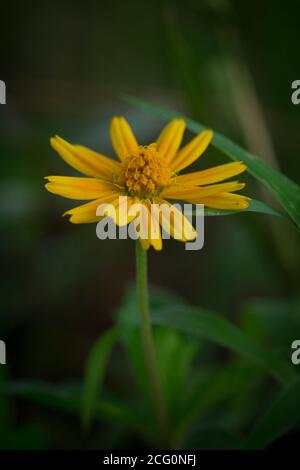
pixel 65 66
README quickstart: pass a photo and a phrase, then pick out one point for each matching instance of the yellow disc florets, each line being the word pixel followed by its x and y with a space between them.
pixel 144 172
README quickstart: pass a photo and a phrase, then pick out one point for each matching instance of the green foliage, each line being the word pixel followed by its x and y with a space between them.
pixel 22 437
pixel 234 383
pixel 95 369
pixel 209 408
pixel 68 399
pixel 200 323
pixel 283 414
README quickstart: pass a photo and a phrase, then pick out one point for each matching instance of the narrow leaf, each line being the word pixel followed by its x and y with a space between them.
pixel 200 323
pixel 59 398
pixel 95 369
pixel 282 416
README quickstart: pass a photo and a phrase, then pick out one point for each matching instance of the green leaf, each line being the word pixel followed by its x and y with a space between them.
pixel 286 191
pixel 212 387
pixel 200 323
pixel 279 319
pixel 65 399
pixel 95 369
pixel 173 312
pixel 227 382
pixel 171 347
pixel 131 341
pixel 282 416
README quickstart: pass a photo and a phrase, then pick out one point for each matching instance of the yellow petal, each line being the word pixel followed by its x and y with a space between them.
pixel 86 213
pixel 122 137
pixel 174 222
pixel 142 226
pixel 154 229
pixel 147 227
pixel 187 193
pixel 84 160
pixel 211 175
pixel 170 139
pixel 122 208
pixel 227 201
pixel 78 188
pixel 192 151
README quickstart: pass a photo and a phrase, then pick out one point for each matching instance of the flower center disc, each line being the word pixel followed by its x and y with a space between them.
pixel 144 173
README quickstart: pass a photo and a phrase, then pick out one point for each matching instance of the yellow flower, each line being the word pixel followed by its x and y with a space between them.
pixel 148 175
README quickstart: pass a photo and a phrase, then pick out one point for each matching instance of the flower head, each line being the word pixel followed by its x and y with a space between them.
pixel 146 174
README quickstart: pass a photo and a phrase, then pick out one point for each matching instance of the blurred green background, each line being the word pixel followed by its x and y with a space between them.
pixel 229 64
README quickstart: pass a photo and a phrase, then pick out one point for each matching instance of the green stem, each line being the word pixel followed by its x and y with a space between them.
pixel 148 343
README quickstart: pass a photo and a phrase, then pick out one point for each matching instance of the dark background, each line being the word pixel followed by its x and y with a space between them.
pixel 228 64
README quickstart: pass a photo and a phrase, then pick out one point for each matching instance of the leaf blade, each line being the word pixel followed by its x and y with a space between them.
pixel 201 323
pixel 95 368
pixel 57 397
pixel 282 416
